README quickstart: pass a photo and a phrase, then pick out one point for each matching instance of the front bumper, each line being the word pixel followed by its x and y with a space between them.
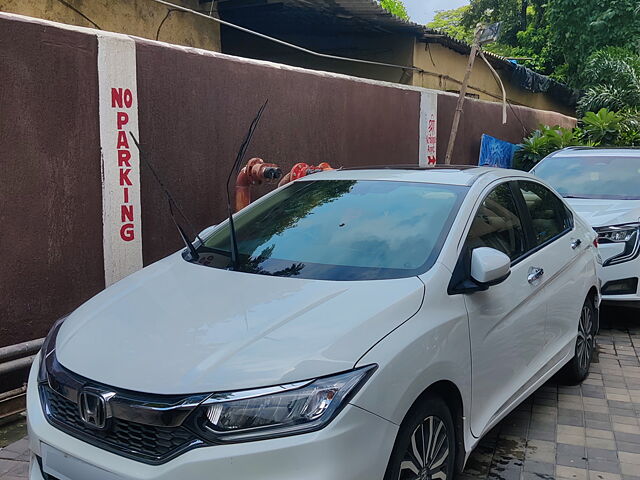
pixel 618 275
pixel 355 446
pixel 613 273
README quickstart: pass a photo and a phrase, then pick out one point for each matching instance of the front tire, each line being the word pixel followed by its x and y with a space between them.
pixel 425 447
pixel 578 368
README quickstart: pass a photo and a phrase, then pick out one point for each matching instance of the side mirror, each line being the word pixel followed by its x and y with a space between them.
pixel 489 266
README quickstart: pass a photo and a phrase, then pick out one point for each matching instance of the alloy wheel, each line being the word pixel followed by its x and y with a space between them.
pixel 585 343
pixel 427 456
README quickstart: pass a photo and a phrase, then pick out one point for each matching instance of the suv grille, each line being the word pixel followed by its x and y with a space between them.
pixel 146 443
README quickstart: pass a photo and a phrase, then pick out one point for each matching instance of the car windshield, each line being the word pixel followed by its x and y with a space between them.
pixel 608 177
pixel 340 230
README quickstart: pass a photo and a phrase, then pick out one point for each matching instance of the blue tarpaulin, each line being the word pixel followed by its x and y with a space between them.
pixel 496 153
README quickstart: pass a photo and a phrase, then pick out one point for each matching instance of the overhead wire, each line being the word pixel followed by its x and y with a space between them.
pixel 71 7
pixel 286 44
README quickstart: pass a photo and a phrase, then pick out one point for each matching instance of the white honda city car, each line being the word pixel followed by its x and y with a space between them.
pixel 603 186
pixel 374 324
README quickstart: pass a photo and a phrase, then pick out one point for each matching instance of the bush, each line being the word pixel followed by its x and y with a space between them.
pixel 541 143
pixel 602 129
pixel 612 79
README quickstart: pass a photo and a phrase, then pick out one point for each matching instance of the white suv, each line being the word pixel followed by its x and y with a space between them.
pixel 603 186
pixel 375 324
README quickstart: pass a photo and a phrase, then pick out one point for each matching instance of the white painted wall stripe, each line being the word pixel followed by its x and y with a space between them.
pixel 428 127
pixel 121 212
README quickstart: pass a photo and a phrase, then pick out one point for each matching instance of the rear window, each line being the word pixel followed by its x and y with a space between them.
pixel 340 230
pixel 608 177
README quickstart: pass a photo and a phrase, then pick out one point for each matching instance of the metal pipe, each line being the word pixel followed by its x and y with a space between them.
pixel 16 365
pixel 287 44
pixel 20 350
pixel 253 173
pixel 12 393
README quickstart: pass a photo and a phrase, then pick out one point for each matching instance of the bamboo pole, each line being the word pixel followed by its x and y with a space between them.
pixel 463 92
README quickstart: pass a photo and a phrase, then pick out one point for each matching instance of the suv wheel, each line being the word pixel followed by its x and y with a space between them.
pixel 425 448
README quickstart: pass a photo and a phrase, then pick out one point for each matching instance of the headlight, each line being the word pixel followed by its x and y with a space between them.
pixel 622 233
pixel 48 347
pixel 276 411
pixel 628 234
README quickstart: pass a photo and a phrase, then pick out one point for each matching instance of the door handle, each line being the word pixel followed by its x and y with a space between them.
pixel 576 243
pixel 534 274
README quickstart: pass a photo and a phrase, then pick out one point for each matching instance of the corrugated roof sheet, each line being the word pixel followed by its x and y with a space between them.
pixel 368 16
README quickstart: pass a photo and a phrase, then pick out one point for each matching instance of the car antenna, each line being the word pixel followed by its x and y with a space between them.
pixel 234 170
pixel 172 203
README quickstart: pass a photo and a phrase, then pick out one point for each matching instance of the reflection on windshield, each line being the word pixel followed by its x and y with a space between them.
pixel 616 178
pixel 340 230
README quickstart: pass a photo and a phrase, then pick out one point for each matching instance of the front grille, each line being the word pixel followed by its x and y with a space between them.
pixel 146 443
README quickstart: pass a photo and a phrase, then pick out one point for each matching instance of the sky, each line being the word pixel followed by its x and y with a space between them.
pixel 422 11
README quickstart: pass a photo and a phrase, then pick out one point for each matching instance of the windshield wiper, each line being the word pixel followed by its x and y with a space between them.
pixel 172 203
pixel 234 170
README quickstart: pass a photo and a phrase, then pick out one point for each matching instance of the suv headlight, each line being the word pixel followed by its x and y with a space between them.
pixel 277 411
pixel 628 234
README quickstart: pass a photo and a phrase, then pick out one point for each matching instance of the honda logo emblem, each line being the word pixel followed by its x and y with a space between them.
pixel 94 408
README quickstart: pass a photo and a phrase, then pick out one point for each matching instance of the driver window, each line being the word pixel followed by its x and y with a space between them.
pixel 497 224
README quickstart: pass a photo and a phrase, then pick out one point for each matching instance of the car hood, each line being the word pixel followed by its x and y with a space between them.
pixel 176 327
pixel 601 212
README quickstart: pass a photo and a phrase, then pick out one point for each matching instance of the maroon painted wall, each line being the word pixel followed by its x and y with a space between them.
pixel 50 190
pixel 480 117
pixel 194 111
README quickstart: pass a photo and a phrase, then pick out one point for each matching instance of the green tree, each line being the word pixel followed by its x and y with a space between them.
pixel 450 22
pixel 396 7
pixel 611 77
pixel 524 33
pixel 579 28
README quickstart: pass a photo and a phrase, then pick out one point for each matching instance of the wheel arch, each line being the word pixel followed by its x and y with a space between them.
pixel 450 393
pixel 594 295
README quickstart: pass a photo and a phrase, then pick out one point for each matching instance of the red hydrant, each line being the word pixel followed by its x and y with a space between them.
pixel 254 173
pixel 300 170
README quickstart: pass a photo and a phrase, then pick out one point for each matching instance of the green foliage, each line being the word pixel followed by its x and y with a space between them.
pixel 395 7
pixel 581 27
pixel 602 129
pixel 612 77
pixel 556 37
pixel 541 143
pixel 512 14
pixel 450 22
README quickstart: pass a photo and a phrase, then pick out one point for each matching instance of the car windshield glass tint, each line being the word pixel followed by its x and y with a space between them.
pixel 609 177
pixel 340 230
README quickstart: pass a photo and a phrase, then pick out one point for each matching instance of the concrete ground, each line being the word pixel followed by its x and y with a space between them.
pixel 585 432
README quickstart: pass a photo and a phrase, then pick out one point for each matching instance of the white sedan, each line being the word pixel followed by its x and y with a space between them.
pixel 374 324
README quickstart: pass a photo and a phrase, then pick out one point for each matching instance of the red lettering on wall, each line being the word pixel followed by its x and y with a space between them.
pixel 122 140
pixel 123 119
pixel 126 213
pixel 116 97
pixel 126 232
pixel 123 158
pixel 128 98
pixel 124 177
pixel 122 99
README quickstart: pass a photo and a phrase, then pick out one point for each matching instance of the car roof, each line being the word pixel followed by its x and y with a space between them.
pixel 597 152
pixel 462 175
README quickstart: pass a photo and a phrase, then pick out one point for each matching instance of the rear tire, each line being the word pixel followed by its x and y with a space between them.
pixel 577 369
pixel 425 447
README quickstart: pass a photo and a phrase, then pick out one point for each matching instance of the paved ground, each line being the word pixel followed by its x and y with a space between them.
pixel 587 432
